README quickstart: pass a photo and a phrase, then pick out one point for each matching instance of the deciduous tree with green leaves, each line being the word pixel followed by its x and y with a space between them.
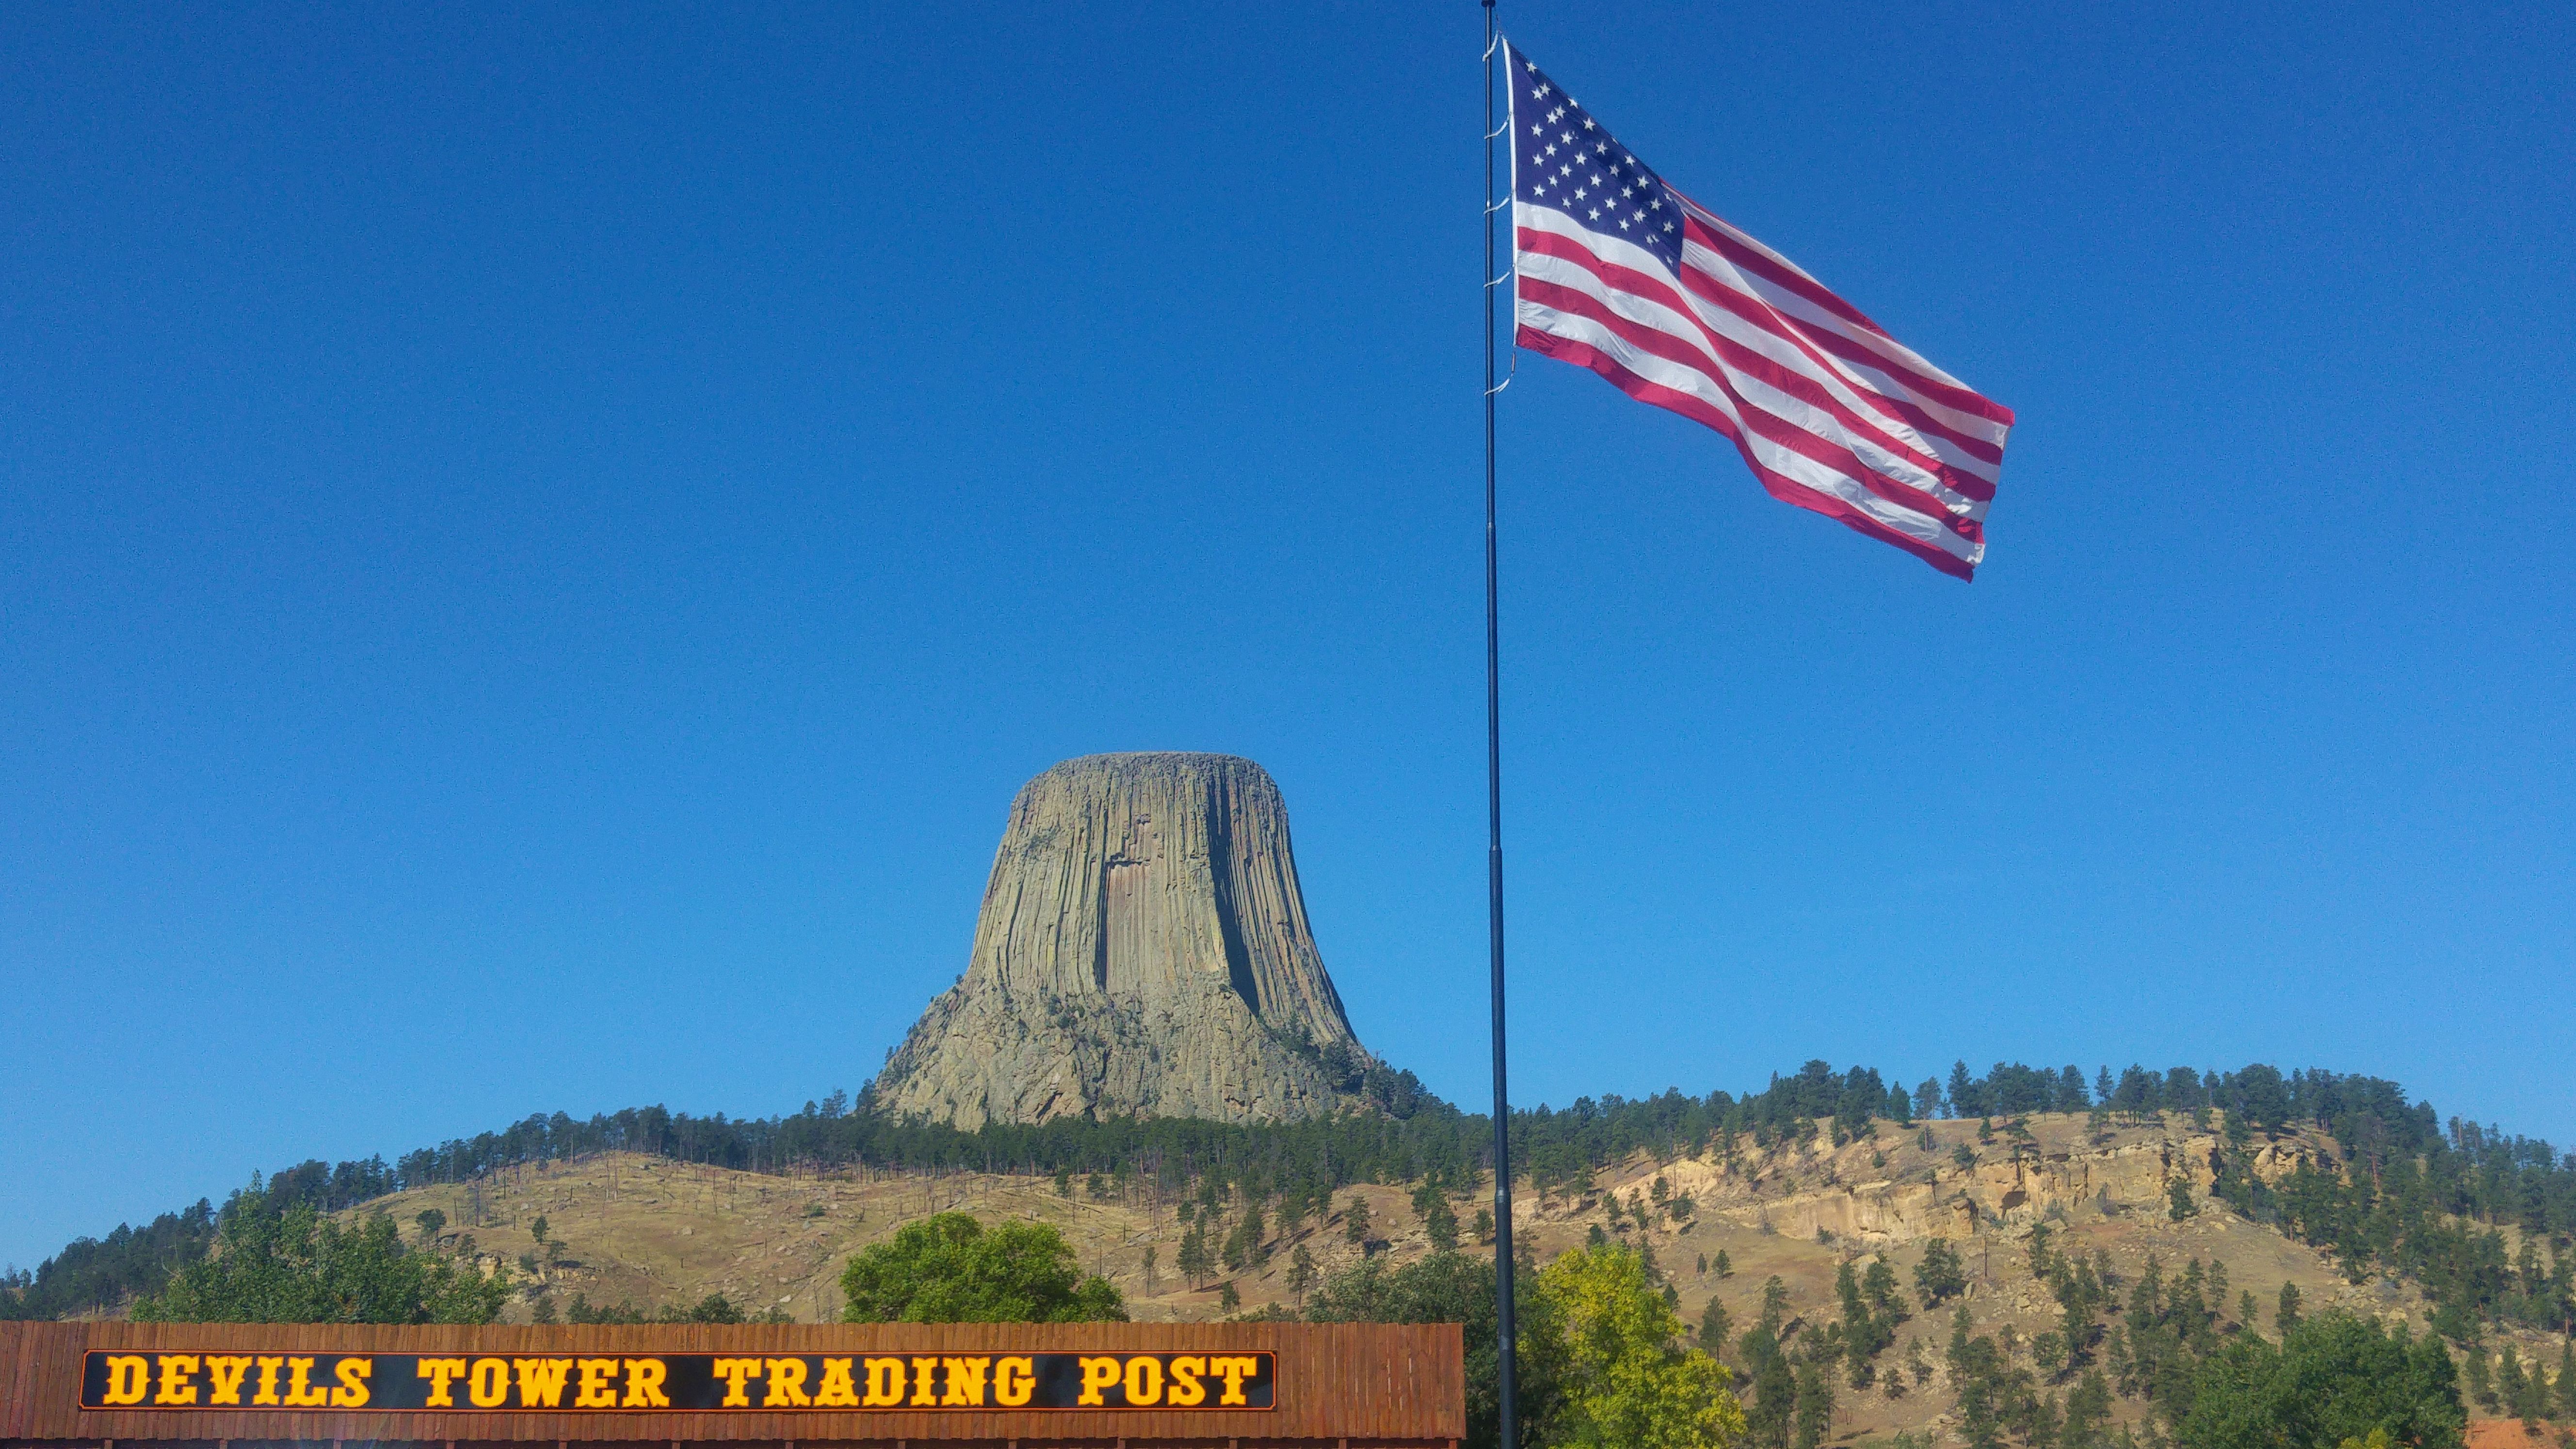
pixel 949 1268
pixel 296 1266
pixel 1626 1383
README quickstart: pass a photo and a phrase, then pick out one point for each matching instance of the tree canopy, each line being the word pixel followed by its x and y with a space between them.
pixel 2332 1378
pixel 949 1268
pixel 295 1266
pixel 1627 1382
pixel 1457 1288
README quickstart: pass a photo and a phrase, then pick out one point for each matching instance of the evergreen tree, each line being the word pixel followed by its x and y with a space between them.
pixel 1963 1091
pixel 1815 1404
pixel 1301 1273
pixel 1355 1221
pixel 1940 1276
pixel 1441 1226
pixel 1714 1327
pixel 2511 1391
pixel 2286 1316
pixel 1886 1301
pixel 2088 1413
pixel 2334 1380
pixel 2567 1378
pixel 1771 1418
pixel 1195 1262
pixel 1775 1306
pixel 2480 1385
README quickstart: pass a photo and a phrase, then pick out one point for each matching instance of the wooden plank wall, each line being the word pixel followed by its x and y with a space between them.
pixel 1350 1385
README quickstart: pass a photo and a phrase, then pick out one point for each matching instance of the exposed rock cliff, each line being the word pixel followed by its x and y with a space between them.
pixel 1142 951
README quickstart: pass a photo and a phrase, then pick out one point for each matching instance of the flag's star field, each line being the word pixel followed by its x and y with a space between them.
pixel 1563 158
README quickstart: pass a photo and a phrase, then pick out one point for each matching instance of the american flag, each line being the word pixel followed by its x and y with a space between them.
pixel 1616 271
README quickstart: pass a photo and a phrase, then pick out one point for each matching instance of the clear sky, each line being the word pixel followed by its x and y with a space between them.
pixel 537 544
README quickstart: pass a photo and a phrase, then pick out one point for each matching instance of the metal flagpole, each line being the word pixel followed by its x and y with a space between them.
pixel 1506 1337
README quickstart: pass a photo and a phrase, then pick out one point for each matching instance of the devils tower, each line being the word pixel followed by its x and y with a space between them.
pixel 1142 951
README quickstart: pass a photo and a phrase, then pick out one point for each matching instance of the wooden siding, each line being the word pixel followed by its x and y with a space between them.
pixel 1351 1385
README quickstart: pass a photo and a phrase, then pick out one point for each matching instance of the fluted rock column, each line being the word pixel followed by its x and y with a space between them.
pixel 1142 951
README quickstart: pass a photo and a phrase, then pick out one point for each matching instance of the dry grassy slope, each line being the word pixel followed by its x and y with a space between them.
pixel 661 1233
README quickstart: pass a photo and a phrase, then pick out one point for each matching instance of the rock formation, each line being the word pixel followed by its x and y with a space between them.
pixel 1142 951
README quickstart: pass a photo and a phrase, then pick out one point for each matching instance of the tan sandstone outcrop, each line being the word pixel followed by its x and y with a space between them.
pixel 1142 951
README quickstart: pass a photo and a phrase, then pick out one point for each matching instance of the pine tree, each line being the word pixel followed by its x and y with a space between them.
pixel 1714 1326
pixel 1301 1273
pixel 2480 1385
pixel 1441 1226
pixel 1193 1260
pixel 2511 1391
pixel 1355 1221
pixel 1815 1405
pixel 2286 1316
pixel 1939 1276
pixel 1775 1306
pixel 2567 1378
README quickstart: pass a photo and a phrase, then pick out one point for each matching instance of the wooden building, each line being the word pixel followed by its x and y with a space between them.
pixel 775 1386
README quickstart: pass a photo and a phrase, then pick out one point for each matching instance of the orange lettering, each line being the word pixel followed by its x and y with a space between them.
pixel 1235 1371
pixel 301 1391
pixel 129 1378
pixel 541 1381
pixel 786 1385
pixel 176 1386
pixel 733 1371
pixel 965 1382
pixel 885 1383
pixel 838 1390
pixel 1144 1381
pixel 1014 1379
pixel 224 1375
pixel 1097 1374
pixel 352 1373
pixel 442 1374
pixel 644 1378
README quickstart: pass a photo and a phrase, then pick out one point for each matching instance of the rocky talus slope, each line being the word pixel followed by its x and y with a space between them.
pixel 1142 951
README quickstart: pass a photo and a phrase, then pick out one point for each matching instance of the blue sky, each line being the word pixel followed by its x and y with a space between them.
pixel 536 545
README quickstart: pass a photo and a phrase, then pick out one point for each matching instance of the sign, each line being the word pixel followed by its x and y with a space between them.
pixel 245 1378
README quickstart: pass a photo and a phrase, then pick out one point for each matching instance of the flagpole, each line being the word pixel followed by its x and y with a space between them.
pixel 1506 1336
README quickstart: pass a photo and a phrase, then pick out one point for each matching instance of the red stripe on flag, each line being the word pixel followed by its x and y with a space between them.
pixel 1784 489
pixel 1773 428
pixel 1950 394
pixel 1737 357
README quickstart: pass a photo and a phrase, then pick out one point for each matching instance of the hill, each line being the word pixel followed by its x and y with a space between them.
pixel 627 1228
pixel 2123 1213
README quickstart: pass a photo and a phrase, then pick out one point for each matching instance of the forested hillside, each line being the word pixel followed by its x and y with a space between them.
pixel 2412 1194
